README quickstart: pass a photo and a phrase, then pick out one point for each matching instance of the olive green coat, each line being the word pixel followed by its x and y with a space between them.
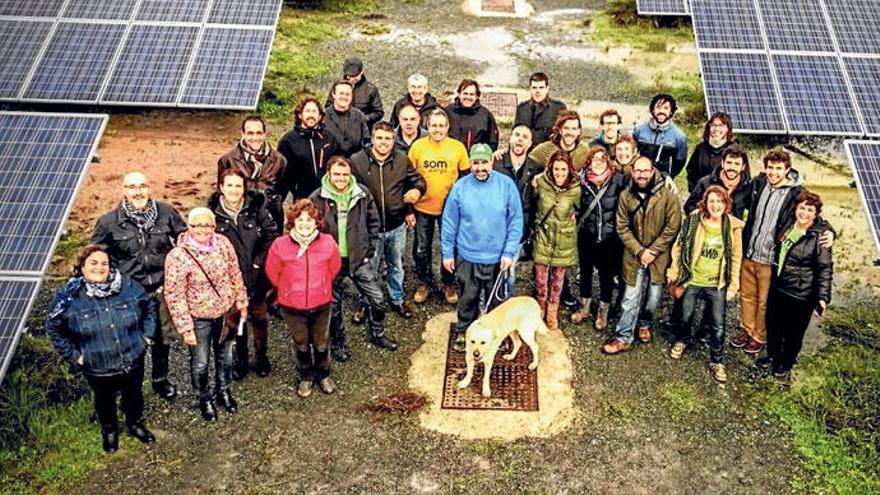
pixel 654 226
pixel 556 238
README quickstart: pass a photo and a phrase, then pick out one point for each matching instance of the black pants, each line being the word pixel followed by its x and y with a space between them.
pixel 475 282
pixel 130 384
pixel 787 321
pixel 605 257
pixel 160 348
pixel 367 283
pixel 423 250
pixel 310 329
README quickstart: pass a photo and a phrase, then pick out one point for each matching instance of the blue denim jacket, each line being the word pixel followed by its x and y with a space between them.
pixel 109 333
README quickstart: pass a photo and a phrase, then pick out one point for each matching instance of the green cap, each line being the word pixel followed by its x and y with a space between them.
pixel 481 151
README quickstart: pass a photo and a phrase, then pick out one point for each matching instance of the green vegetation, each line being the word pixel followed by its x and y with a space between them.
pixel 619 25
pixel 682 398
pixel 833 407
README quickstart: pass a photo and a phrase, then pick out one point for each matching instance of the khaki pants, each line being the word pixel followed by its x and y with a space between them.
pixel 754 287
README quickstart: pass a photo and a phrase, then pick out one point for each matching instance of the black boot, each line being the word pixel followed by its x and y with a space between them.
pixel 338 342
pixel 165 389
pixel 141 433
pixel 208 410
pixel 377 331
pixel 110 438
pixel 340 352
pixel 228 402
pixel 262 366
pixel 240 368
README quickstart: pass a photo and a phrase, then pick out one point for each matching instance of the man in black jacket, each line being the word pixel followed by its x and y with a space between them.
pixel 395 185
pixel 365 95
pixel 351 217
pixel 539 112
pixel 409 128
pixel 242 217
pixel 139 233
pixel 419 97
pixel 346 124
pixel 306 147
pixel 733 175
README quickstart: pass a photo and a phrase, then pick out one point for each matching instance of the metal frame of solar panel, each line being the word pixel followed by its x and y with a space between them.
pixel 135 52
pixel 820 55
pixel 16 299
pixel 864 158
pixel 663 7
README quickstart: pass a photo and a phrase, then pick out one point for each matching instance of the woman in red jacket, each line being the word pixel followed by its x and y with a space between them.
pixel 302 267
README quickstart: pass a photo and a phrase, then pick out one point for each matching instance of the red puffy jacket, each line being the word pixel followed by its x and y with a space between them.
pixel 303 282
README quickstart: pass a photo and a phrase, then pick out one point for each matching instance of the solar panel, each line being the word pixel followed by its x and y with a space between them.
pixel 152 65
pixel 864 74
pixel 43 159
pixel 16 297
pixel 256 12
pixel 22 41
pixel 31 8
pixel 75 63
pixel 225 72
pixel 99 9
pixel 796 25
pixel 741 85
pixel 172 10
pixel 713 27
pixel 662 7
pixel 864 158
pixel 815 96
pixel 855 24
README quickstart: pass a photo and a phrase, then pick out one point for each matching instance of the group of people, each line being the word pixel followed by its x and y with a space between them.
pixel 359 183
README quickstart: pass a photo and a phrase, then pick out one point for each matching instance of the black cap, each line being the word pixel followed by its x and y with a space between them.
pixel 352 66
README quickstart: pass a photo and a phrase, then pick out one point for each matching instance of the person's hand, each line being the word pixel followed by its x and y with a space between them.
pixel 410 220
pixel 499 153
pixel 506 263
pixel 731 296
pixel 411 196
pixel 573 218
pixel 449 265
pixel 189 338
pixel 826 240
pixel 647 257
pixel 80 360
pixel 822 306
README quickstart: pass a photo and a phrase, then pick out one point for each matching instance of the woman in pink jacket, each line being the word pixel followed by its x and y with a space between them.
pixel 202 285
pixel 302 267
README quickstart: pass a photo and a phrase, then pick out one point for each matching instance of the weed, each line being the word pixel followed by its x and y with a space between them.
pixel 640 33
pixel 682 398
pixel 68 247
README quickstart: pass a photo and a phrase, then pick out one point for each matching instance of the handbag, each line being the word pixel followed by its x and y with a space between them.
pixel 675 290
pixel 229 317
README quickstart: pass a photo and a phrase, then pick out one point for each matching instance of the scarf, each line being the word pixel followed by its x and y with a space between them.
pixel 190 241
pixel 303 240
pixel 255 160
pixel 717 143
pixel 232 212
pixel 601 178
pixel 144 219
pixel 107 288
pixel 688 235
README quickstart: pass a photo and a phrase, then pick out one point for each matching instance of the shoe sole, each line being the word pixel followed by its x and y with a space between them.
pixel 752 351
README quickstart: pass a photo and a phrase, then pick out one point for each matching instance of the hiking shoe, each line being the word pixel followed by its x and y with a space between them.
pixel 304 389
pixel 718 372
pixel 601 322
pixel 384 342
pixel 677 350
pixel 780 373
pixel 340 353
pixel 327 385
pixel 450 294
pixel 764 363
pixel 421 294
pixel 403 310
pixel 580 315
pixel 616 346
pixel 645 334
pixel 753 347
pixel 741 339
pixel 459 344
pixel 360 315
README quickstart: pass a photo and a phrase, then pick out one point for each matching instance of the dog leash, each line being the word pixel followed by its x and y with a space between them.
pixel 499 290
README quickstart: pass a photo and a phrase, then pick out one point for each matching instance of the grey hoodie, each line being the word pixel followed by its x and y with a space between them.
pixel 771 203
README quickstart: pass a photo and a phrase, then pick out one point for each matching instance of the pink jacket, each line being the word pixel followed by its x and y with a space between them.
pixel 189 294
pixel 306 282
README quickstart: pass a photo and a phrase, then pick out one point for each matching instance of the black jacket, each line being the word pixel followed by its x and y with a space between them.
pixel 270 181
pixel 251 234
pixel 600 225
pixel 704 160
pixel 363 224
pixel 306 151
pixel 349 130
pixel 523 180
pixel 401 145
pixel 741 195
pixel 140 256
pixel 472 125
pixel 430 104
pixel 539 117
pixel 387 183
pixel 365 97
pixel 808 268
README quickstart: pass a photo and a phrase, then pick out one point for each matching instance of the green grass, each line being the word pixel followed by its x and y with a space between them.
pixel 642 33
pixel 682 399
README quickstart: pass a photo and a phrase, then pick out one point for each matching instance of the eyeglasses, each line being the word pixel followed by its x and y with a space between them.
pixel 201 226
pixel 133 187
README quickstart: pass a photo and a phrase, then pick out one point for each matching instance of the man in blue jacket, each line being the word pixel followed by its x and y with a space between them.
pixel 482 226
pixel 660 139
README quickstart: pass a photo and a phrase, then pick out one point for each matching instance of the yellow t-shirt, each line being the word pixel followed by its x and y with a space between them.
pixel 439 163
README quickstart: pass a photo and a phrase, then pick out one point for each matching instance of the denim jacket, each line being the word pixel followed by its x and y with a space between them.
pixel 109 333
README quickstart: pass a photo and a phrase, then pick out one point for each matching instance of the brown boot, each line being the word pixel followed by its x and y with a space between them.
pixel 602 317
pixel 552 317
pixel 421 294
pixel 616 347
pixel 583 313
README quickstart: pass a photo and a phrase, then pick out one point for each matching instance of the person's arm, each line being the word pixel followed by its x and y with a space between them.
pixel 58 330
pixel 624 232
pixel 178 225
pixel 101 234
pixel 692 169
pixel 825 268
pixel 694 197
pixel 376 108
pixel 736 254
pixel 374 224
pixel 233 274
pixel 674 270
pixel 670 230
pixel 335 261
pixel 449 221
pixel 514 222
pixel 175 293
pixel 273 264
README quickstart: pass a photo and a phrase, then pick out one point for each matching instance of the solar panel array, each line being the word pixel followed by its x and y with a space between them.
pixel 864 158
pixel 43 160
pixel 185 53
pixel 792 66
pixel 663 7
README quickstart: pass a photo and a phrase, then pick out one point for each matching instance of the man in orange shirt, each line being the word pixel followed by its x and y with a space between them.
pixel 441 160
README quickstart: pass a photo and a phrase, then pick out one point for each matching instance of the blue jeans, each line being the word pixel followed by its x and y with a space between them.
pixel 391 243
pixel 714 314
pixel 632 296
pixel 511 277
pixel 207 335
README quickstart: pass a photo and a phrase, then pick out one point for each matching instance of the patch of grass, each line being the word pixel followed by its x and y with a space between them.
pixel 682 399
pixel 640 33
pixel 68 247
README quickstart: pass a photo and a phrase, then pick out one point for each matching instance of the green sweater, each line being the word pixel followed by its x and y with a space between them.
pixel 342 200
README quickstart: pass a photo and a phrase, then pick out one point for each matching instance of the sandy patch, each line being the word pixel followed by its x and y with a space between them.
pixel 555 395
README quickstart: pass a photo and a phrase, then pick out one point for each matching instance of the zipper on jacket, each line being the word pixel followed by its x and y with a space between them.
pixel 314 162
pixel 307 278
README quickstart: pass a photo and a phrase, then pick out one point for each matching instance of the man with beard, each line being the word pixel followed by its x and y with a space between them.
pixel 482 229
pixel 263 166
pixel 409 128
pixel 365 96
pixel 346 124
pixel 307 147
pixel 138 234
pixel 660 139
pixel 419 97
pixel 648 220
pixel 539 112
pixel 733 176
pixel 565 136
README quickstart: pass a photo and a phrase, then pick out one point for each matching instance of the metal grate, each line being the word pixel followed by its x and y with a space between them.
pixel 514 386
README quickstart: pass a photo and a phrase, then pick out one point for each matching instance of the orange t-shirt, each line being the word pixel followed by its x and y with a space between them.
pixel 439 163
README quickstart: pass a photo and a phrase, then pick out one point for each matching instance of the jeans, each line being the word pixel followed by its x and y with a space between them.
pixel 207 334
pixel 130 384
pixel 475 282
pixel 310 329
pixel 632 297
pixel 367 284
pixel 423 250
pixel 391 243
pixel 714 313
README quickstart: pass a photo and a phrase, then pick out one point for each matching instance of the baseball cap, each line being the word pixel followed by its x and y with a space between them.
pixel 352 66
pixel 480 151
